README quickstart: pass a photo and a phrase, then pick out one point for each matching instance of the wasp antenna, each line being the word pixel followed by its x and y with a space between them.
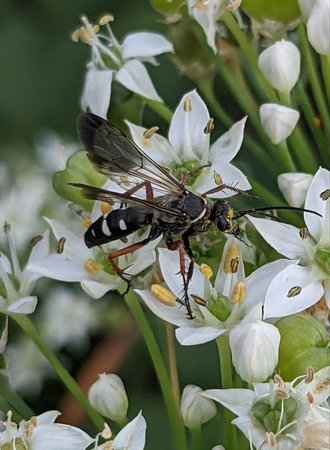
pixel 239 214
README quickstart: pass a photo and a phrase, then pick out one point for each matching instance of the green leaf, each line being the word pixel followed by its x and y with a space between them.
pixel 78 170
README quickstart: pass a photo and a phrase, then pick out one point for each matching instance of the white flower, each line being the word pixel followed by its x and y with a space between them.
pixel 280 64
pixel 219 315
pixel 278 415
pixel 306 7
pixel 108 396
pixel 318 27
pixel 194 409
pixel 89 266
pixel 40 433
pixel 278 121
pixel 121 62
pixel 189 147
pixel 294 187
pixel 206 13
pixel 299 286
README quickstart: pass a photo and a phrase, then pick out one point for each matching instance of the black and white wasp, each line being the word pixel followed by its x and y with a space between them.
pixel 177 214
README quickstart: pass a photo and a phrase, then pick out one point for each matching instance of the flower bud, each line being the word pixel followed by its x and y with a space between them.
pixel 294 187
pixel 254 347
pixel 278 121
pixel 108 396
pixel 306 7
pixel 280 64
pixel 196 409
pixel 318 27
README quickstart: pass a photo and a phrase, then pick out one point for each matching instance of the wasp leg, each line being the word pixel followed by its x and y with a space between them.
pixel 181 246
pixel 154 233
pixel 224 186
pixel 186 175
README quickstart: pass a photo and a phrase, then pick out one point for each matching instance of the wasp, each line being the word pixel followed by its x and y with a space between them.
pixel 176 213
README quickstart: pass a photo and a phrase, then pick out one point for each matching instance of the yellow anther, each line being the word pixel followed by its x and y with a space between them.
pixel 217 178
pixel 303 233
pixel 163 295
pixel 187 105
pixel 199 300
pixel 325 195
pixel 294 291
pixel 106 433
pixel 309 375
pixel 239 292
pixel 281 393
pixel 86 223
pixel 209 126
pixel 92 266
pixel 36 239
pixel 310 397
pixel 60 245
pixel 206 270
pixel 106 19
pixel 232 255
pixel 279 381
pixel 150 132
pixel 106 208
pixel 86 35
pixel 75 35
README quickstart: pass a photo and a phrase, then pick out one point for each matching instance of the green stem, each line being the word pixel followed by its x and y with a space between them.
pixel 16 402
pixel 196 434
pixel 310 116
pixel 230 436
pixel 314 79
pixel 285 157
pixel 173 413
pixel 172 363
pixel 325 66
pixel 29 328
pixel 160 108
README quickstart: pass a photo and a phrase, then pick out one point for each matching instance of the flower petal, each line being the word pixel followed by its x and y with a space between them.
pixel 59 268
pixel 4 336
pixel 96 289
pixel 195 336
pixel 134 76
pixel 58 436
pixel 25 305
pixel 279 303
pixel 239 401
pixel 145 44
pixel 227 146
pixel 281 236
pixel 97 91
pixel 186 133
pixel 314 202
pixel 133 435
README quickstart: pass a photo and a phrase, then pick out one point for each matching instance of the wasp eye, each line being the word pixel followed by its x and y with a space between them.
pixel 222 223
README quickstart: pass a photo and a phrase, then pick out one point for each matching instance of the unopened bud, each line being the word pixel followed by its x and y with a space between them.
pixel 195 408
pixel 278 121
pixel 318 27
pixel 294 187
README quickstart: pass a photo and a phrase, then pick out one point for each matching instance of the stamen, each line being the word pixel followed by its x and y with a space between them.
pixel 75 35
pixel 232 259
pixel 303 233
pixel 187 105
pixel 209 126
pixel 106 433
pixel 325 195
pixel 199 300
pixel 310 397
pixel 281 393
pixel 93 266
pixel 310 375
pixel 239 293
pixel 34 241
pixel 279 381
pixel 294 291
pixel 106 208
pixel 317 122
pixel 206 270
pixel 86 223
pixel 60 245
pixel 271 439
pixel 163 295
pixel 233 5
pixel 150 132
pixel 106 19
pixel 217 178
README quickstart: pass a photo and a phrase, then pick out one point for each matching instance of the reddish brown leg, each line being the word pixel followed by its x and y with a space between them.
pixel 222 187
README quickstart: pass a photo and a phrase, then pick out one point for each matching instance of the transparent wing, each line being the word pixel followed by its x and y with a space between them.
pixel 115 155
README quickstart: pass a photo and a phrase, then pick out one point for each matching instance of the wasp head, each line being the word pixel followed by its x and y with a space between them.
pixel 224 218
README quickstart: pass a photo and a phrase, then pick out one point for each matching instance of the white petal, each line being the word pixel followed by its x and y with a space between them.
pixel 59 437
pixel 58 268
pixel 200 335
pixel 281 236
pixel 48 417
pixel 157 147
pixel 278 121
pixel 318 27
pixel 145 44
pixel 294 187
pixel 239 401
pixel 227 146
pixel 97 91
pixel 4 336
pixel 134 76
pixel 25 305
pixel 230 175
pixel 132 436
pixel 319 184
pixel 186 133
pixel 253 430
pixel 278 304
pixel 41 248
pixel 96 289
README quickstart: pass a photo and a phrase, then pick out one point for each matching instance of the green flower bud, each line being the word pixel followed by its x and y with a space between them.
pixel 78 170
pixel 303 343
pixel 281 10
pixel 220 307
pixel 322 258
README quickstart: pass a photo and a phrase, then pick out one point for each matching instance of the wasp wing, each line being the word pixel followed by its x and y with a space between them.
pixel 103 195
pixel 115 154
